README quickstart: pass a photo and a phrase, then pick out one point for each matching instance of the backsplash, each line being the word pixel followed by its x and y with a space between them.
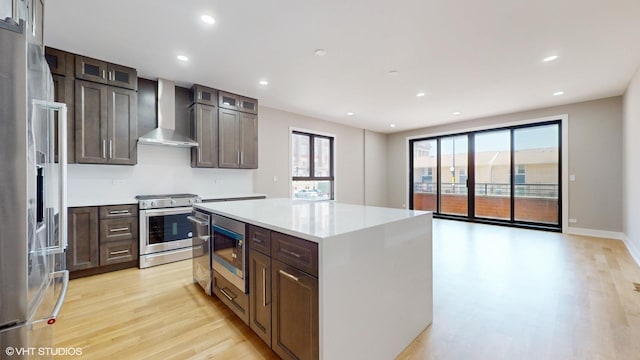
pixel 160 170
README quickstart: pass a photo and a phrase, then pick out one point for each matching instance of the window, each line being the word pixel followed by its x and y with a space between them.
pixel 520 174
pixel 312 166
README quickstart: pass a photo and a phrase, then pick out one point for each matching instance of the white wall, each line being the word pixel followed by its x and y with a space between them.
pixel 595 150
pixel 631 167
pixel 273 175
pixel 160 170
pixel 375 168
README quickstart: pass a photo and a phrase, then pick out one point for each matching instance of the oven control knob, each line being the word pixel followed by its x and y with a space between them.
pixel 143 204
pixel 173 202
pixel 190 201
pixel 153 203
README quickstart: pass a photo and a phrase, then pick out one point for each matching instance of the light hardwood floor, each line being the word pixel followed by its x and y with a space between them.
pixel 499 293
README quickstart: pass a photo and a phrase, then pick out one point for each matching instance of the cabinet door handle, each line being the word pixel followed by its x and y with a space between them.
pixel 119 229
pixel 257 240
pixel 289 252
pixel 114 212
pixel 104 149
pixel 241 157
pixel 264 287
pixel 238 157
pixel 294 278
pixel 110 149
pixel 118 252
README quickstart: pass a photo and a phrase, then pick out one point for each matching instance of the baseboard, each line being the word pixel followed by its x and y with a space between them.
pixel 633 249
pixel 594 233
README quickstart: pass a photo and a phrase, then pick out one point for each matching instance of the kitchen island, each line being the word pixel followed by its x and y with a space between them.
pixel 372 276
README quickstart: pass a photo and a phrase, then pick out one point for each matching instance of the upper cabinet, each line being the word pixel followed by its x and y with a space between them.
pixel 106 73
pixel 204 95
pixel 204 129
pixel 237 102
pixel 106 127
pixel 238 131
pixel 60 62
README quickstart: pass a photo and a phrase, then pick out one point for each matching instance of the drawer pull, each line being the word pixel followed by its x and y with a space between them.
pixel 289 252
pixel 294 278
pixel 119 229
pixel 119 252
pixel 257 240
pixel 116 212
pixel 225 294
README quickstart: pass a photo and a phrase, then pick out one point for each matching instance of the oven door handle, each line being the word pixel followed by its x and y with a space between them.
pixel 197 221
pixel 228 233
pixel 169 211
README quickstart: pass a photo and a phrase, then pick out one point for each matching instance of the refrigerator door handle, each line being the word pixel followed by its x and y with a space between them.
pixel 62 161
pixel 51 319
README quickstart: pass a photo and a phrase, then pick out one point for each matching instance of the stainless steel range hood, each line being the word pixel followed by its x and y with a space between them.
pixel 166 133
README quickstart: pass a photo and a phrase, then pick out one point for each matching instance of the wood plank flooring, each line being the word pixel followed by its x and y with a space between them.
pixel 499 293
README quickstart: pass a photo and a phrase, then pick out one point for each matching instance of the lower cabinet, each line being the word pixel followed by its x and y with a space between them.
pixel 102 239
pixel 83 246
pixel 231 296
pixel 294 314
pixel 260 295
pixel 283 293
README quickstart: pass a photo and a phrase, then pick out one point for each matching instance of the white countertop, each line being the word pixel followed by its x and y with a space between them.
pixel 310 220
pixel 103 198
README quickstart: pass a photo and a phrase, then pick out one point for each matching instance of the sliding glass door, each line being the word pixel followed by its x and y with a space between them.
pixel 514 173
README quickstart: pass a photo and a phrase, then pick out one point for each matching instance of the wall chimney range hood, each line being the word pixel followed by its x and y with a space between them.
pixel 165 133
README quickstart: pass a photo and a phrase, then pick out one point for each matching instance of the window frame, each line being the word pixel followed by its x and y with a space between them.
pixel 331 178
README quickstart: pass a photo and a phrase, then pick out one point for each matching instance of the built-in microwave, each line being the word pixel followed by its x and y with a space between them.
pixel 229 251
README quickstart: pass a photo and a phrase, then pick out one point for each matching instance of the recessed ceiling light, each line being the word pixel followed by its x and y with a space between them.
pixel 393 72
pixel 263 82
pixel 350 113
pixel 320 52
pixel 457 113
pixel 420 94
pixel 182 58
pixel 392 125
pixel 558 93
pixel 207 19
pixel 550 58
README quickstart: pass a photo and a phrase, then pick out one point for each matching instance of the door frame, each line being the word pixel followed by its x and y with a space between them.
pixel 564 163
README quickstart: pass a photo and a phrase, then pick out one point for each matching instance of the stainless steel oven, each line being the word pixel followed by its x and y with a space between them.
pixel 165 228
pixel 229 255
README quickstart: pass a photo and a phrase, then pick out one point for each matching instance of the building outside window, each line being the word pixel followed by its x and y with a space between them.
pixel 312 166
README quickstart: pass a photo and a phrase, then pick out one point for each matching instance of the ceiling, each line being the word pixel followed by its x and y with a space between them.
pixel 478 58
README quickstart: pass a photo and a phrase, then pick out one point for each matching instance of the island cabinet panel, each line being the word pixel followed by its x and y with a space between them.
pixel 83 238
pixel 234 298
pixel 299 253
pixel 260 295
pixel 294 312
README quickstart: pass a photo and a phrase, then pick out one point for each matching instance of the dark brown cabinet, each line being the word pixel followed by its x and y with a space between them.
pixel 60 62
pixel 105 73
pixel 204 129
pixel 64 93
pixel 102 239
pixel 294 314
pixel 234 298
pixel 260 298
pixel 237 102
pixel 238 139
pixel 203 95
pixel 83 240
pixel 105 124
pixel 283 292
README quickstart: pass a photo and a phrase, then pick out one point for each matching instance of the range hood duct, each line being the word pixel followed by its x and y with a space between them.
pixel 165 133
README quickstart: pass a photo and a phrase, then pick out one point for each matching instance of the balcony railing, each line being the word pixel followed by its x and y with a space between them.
pixel 492 189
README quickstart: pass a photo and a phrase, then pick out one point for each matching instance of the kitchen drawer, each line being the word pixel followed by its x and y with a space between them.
pixel 114 252
pixel 118 229
pixel 231 296
pixel 299 253
pixel 118 211
pixel 260 239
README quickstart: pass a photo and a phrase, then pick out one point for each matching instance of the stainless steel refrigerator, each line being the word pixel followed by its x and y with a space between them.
pixel 33 211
